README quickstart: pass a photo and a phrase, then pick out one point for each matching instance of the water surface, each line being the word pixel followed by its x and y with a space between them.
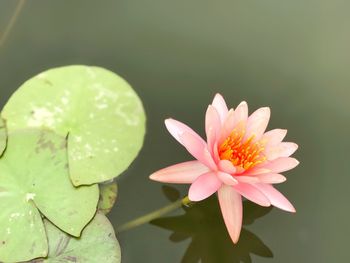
pixel 290 55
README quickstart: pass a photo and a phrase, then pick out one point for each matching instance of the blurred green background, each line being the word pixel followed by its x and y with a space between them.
pixel 291 55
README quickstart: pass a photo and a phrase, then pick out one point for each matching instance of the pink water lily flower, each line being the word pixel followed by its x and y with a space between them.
pixel 238 159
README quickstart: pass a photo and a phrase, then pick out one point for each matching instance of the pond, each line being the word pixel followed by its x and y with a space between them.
pixel 292 56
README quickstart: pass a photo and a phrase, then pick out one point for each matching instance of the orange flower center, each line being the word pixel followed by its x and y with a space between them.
pixel 245 154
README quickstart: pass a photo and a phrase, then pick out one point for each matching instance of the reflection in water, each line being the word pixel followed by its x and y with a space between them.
pixel 203 223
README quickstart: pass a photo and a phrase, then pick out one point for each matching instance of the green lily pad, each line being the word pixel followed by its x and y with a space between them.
pixel 108 196
pixel 3 136
pixel 34 177
pixel 96 244
pixel 100 112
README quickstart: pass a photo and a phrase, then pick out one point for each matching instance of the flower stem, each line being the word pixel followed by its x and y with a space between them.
pixel 12 21
pixel 153 215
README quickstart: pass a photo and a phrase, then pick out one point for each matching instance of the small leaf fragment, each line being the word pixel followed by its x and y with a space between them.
pixel 108 196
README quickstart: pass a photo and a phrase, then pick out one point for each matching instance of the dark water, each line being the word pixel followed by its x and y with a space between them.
pixel 290 55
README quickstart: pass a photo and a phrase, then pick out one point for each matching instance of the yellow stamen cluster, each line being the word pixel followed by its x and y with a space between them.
pixel 245 154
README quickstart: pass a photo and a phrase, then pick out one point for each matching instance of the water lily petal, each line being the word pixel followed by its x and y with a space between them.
pixel 227 126
pixel 247 179
pixel 221 107
pixel 198 149
pixel 226 178
pixel 241 113
pixel 276 198
pixel 235 120
pixel 252 193
pixel 256 170
pixel 257 123
pixel 177 128
pixel 204 186
pixel 282 164
pixel 273 137
pixel 271 178
pixel 231 208
pixel 226 166
pixel 215 155
pixel 212 126
pixel 283 149
pixel 181 173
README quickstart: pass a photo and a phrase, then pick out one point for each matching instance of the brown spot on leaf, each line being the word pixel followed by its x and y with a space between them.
pixel 112 199
pixel 32 249
pixel 72 213
pixel 47 82
pixel 44 144
pixel 71 258
pixel 63 145
pixel 62 245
